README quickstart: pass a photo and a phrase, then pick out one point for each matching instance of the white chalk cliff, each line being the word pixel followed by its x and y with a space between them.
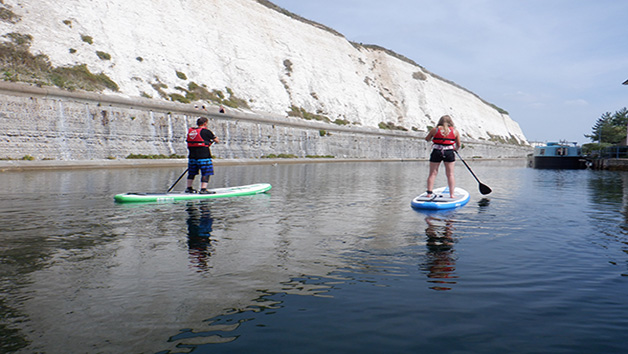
pixel 271 60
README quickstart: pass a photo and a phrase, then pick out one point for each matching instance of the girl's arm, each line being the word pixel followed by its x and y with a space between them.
pixel 430 135
pixel 457 140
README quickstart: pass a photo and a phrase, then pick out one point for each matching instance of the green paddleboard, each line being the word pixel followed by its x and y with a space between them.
pixel 172 197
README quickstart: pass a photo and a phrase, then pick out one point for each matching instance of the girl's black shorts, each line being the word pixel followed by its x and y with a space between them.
pixel 442 155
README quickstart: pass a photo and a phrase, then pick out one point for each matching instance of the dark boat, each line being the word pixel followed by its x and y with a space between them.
pixel 557 156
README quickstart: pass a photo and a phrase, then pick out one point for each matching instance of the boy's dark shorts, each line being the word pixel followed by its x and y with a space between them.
pixel 204 165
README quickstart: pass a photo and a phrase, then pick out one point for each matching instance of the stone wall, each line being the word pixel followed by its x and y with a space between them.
pixel 53 124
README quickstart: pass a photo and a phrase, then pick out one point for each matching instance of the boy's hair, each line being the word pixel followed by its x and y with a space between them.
pixel 201 121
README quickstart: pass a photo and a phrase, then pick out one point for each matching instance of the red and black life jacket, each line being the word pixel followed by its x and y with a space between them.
pixel 441 139
pixel 195 139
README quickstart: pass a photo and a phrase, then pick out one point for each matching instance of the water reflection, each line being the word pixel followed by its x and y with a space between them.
pixel 200 224
pixel 484 203
pixel 246 324
pixel 223 328
pixel 606 189
pixel 440 263
pixel 100 279
pixel 608 194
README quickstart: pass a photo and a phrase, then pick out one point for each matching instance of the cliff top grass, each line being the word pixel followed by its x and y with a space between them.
pixel 281 10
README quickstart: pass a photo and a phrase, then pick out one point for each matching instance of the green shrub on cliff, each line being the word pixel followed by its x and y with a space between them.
pixel 202 93
pixel 280 156
pixel 198 92
pixel 103 55
pixel 7 15
pixel 302 113
pixel 159 87
pixel 79 77
pixel 154 157
pixel 181 75
pixel 391 126
pixel 87 39
pixel 17 63
pixel 320 156
pixel 19 39
pixel 178 98
pixel 23 158
pixel 235 102
pixel 511 140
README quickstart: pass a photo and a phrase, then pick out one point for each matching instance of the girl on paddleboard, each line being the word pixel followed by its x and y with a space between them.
pixel 445 139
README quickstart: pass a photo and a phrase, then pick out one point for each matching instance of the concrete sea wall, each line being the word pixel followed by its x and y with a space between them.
pixel 611 164
pixel 53 124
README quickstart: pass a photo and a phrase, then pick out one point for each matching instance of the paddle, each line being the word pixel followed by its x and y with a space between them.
pixel 484 189
pixel 175 183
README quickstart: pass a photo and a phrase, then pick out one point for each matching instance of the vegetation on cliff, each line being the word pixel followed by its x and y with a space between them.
pixel 17 63
pixel 350 87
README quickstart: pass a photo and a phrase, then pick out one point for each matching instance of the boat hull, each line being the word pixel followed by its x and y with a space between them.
pixel 557 162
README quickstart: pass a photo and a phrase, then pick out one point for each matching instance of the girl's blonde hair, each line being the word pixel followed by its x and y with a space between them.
pixel 445 122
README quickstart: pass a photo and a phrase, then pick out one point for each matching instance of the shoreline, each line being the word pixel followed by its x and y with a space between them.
pixel 21 165
pixel 24 165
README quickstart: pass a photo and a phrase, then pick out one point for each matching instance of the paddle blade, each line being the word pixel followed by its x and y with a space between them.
pixel 484 189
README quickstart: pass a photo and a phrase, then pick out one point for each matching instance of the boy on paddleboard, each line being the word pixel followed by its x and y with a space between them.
pixel 199 140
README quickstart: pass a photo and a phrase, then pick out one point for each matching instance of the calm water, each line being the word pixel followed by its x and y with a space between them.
pixel 333 259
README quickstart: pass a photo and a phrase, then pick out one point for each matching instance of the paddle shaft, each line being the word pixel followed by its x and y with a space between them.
pixel 178 179
pixel 484 189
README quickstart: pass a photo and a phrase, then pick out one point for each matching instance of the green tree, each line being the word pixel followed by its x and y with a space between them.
pixel 610 128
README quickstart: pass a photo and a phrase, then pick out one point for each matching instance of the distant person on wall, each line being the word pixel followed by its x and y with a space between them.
pixel 199 140
pixel 445 139
pixel 221 109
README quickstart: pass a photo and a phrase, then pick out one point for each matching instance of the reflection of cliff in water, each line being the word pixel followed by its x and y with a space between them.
pixel 243 323
pixel 200 224
pixel 440 262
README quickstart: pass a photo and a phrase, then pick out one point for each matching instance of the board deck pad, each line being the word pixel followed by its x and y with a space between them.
pixel 440 199
pixel 225 192
pixel 437 198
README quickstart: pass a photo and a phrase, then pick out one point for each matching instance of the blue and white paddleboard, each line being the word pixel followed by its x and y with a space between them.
pixel 440 199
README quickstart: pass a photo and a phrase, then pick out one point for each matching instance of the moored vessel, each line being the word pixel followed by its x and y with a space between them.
pixel 559 155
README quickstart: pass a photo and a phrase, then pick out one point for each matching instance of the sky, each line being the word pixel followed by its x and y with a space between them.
pixel 556 66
